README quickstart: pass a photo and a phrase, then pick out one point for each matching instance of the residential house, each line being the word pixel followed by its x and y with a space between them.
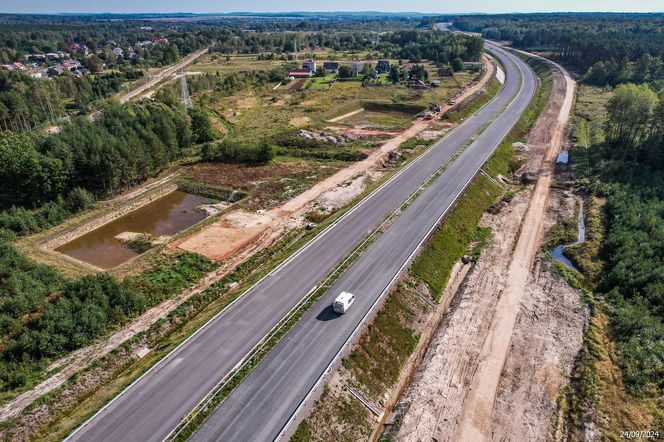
pixel 383 66
pixel 357 67
pixel 55 71
pixel 118 51
pixel 71 64
pixel 78 48
pixel 300 73
pixel 331 67
pixel 309 64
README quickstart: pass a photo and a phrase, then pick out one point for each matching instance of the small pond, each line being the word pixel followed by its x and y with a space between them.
pixel 167 215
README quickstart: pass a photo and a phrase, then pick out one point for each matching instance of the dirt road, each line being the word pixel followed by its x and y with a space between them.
pixel 161 75
pixel 458 392
pixel 226 237
pixel 476 416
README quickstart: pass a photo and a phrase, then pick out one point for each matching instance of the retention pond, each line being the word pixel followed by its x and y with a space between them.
pixel 167 215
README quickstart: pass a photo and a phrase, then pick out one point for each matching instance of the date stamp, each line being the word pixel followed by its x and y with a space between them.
pixel 639 434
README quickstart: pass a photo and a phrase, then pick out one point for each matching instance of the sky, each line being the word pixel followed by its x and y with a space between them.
pixel 441 6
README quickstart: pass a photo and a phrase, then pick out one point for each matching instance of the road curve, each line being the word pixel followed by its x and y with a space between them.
pixel 264 403
pixel 150 408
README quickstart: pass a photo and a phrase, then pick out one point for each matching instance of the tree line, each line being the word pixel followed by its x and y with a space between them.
pixel 125 145
pixel 618 47
pixel 634 126
pixel 27 102
pixel 629 174
pixel 414 44
pixel 44 315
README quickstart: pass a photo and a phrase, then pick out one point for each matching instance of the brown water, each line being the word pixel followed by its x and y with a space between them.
pixel 165 216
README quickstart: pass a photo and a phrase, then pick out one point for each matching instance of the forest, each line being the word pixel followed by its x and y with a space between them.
pixel 609 48
pixel 124 146
pixel 44 315
pixel 629 173
pixel 413 44
pixel 27 102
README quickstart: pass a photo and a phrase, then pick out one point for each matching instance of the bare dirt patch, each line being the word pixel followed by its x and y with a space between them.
pixel 227 236
pixel 459 393
pixel 283 218
pixel 240 177
pixel 361 133
pixel 434 401
pixel 295 85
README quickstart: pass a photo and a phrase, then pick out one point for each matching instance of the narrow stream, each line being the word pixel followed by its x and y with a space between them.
pixel 558 252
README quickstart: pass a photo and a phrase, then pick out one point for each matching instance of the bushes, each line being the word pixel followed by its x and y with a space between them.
pixel 229 151
pixel 640 337
pixel 201 127
pixel 25 222
pixel 43 315
pixel 79 199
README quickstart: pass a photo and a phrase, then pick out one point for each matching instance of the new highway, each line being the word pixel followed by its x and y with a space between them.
pixel 265 402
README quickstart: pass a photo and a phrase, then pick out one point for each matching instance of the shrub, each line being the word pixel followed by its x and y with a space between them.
pixel 229 151
pixel 79 199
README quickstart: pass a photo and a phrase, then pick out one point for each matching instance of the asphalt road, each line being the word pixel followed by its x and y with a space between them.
pixel 261 406
pixel 153 406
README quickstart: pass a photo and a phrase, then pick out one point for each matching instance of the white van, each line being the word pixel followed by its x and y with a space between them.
pixel 343 302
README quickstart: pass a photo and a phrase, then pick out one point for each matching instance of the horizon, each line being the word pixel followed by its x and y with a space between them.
pixel 312 12
pixel 207 7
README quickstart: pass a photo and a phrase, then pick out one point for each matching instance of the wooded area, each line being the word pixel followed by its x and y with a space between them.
pixel 618 47
pixel 627 169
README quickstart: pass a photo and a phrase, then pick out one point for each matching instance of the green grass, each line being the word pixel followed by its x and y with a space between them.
pixel 388 338
pixel 319 83
pixel 472 105
pixel 454 236
pixel 381 79
pixel 587 255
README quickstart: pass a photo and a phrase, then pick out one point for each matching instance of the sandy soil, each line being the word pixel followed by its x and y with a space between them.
pixel 346 115
pixel 476 416
pixel 547 337
pixel 217 242
pixel 435 398
pixel 526 326
pixel 234 231
pixel 362 133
